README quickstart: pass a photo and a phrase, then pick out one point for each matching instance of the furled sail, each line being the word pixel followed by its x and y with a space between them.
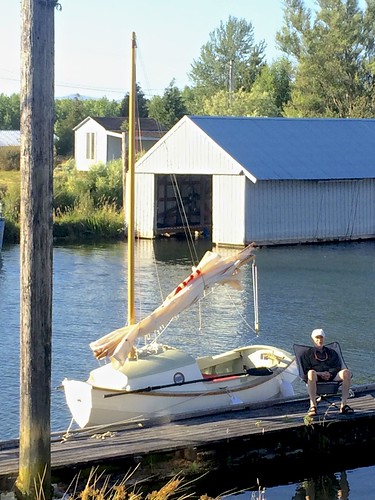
pixel 212 269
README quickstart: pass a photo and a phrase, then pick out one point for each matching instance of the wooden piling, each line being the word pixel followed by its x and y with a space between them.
pixel 37 120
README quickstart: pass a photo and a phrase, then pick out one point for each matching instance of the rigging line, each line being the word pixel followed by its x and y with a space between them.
pixel 210 291
pixel 157 272
pixel 185 221
pixel 182 212
pixel 189 239
pixel 144 71
pixel 254 271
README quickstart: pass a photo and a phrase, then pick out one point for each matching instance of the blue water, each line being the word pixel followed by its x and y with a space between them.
pixel 348 485
pixel 300 288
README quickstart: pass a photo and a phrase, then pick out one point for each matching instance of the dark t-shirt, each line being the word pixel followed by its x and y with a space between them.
pixel 325 360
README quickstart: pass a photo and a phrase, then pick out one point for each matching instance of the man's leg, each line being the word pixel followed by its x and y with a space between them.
pixel 311 386
pixel 345 376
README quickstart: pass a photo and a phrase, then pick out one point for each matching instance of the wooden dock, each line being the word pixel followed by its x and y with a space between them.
pixel 266 435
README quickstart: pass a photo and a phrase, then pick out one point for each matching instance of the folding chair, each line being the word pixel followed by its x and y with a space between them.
pixel 323 389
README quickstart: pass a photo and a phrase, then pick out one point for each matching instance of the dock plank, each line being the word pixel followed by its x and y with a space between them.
pixel 257 425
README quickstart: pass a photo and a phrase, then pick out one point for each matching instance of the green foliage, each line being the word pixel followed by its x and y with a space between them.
pixel 229 57
pixel 70 112
pixel 9 112
pixel 10 158
pixel 276 80
pixel 87 205
pixel 10 197
pixel 169 108
pixel 141 103
pixel 69 186
pixel 240 103
pixel 86 222
pixel 333 75
pixel 104 183
pixel 100 186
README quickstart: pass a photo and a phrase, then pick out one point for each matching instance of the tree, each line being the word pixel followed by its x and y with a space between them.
pixel 101 107
pixel 241 103
pixel 141 104
pixel 230 60
pixel 9 112
pixel 333 56
pixel 169 108
pixel 276 81
pixel 69 112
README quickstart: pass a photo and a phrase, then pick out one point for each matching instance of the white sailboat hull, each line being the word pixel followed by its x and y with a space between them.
pixel 221 384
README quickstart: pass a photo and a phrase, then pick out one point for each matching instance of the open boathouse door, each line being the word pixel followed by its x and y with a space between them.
pixel 184 201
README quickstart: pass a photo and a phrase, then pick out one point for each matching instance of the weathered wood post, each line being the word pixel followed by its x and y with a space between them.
pixel 37 118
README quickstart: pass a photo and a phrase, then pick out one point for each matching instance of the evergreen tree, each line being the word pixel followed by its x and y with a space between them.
pixel 169 108
pixel 69 113
pixel 141 104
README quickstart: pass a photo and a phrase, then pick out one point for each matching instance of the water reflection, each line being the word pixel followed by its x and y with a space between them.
pixel 327 487
pixel 330 486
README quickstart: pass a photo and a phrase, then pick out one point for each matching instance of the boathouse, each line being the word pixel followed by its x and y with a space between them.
pixel 268 180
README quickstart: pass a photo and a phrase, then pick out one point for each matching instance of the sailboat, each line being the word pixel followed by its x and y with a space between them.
pixel 157 380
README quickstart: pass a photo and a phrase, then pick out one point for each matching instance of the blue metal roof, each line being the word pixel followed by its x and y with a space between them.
pixel 296 148
pixel 10 138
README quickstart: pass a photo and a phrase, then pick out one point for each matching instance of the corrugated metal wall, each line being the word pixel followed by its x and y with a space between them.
pixel 228 209
pixel 307 211
pixel 145 205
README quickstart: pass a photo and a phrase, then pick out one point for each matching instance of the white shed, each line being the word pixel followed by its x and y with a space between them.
pixel 267 180
pixel 99 139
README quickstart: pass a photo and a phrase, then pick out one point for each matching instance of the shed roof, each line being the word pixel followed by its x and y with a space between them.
pixel 114 124
pixel 10 138
pixel 295 148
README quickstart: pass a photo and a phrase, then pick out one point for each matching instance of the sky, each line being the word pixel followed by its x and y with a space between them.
pixel 93 41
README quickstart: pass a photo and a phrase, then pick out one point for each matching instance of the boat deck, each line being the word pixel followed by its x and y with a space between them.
pixel 271 434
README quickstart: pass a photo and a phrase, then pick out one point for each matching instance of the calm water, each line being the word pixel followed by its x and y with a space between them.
pixel 300 288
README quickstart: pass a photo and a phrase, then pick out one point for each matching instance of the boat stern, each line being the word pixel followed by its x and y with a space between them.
pixel 78 396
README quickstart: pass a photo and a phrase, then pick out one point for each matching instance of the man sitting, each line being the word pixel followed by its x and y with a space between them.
pixel 320 363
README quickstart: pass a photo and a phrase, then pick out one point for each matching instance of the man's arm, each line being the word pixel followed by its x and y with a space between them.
pixel 334 362
pixel 305 363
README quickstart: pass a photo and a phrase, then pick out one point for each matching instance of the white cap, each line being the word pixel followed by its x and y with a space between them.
pixel 318 332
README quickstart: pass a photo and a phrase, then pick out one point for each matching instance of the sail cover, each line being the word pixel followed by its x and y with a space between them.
pixel 212 269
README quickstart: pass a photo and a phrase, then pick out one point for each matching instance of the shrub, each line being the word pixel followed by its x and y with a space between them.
pixel 10 158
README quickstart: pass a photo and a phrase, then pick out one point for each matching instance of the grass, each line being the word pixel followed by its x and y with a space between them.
pixel 85 222
pixel 9 179
pixel 100 487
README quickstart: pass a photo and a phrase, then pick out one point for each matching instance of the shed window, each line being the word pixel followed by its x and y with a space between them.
pixel 90 146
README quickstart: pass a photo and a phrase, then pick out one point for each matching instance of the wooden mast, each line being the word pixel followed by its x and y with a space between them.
pixel 130 186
